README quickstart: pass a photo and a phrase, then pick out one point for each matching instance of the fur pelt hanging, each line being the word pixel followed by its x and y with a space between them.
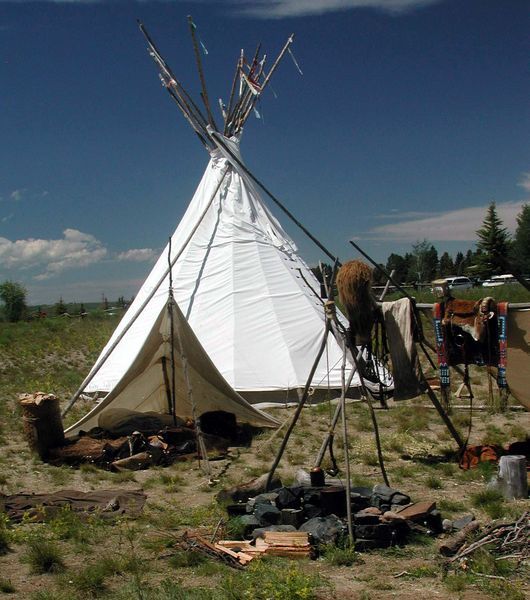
pixel 354 284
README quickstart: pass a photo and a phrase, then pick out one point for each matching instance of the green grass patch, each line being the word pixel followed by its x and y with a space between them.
pixel 266 579
pixel 6 586
pixel 340 557
pixel 43 556
pixel 433 482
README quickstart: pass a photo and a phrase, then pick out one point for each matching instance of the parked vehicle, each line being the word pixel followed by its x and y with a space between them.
pixel 459 283
pixel 498 280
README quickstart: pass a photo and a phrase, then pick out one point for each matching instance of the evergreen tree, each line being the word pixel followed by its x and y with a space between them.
pixel 60 308
pixel 398 264
pixel 493 243
pixel 13 295
pixel 521 241
pixel 447 266
pixel 424 263
pixel 459 262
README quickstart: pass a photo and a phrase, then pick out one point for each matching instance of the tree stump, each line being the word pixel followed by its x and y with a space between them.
pixel 42 423
pixel 512 476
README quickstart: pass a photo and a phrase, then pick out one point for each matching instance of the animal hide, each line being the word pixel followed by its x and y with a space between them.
pixel 354 284
pixel 471 332
pixel 406 370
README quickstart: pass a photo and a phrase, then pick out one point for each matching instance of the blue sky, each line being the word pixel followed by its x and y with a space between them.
pixel 410 117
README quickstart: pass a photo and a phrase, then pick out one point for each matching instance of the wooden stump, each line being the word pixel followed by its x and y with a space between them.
pixel 41 417
pixel 512 476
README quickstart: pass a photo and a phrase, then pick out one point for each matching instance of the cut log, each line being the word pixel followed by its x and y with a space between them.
pixel 452 545
pixel 513 480
pixel 42 423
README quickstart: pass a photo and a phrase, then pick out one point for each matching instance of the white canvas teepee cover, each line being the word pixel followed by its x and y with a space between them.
pixel 249 298
pixel 142 387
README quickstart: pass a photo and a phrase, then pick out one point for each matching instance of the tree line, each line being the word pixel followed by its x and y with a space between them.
pixel 496 253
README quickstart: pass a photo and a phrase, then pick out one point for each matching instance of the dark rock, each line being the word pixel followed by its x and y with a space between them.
pixel 433 521
pixel 289 497
pixel 460 523
pixel 267 514
pixel 266 498
pixel 241 493
pixel 382 531
pixel 311 511
pixel 365 545
pixel 364 492
pixel 400 499
pixel 249 523
pixel 325 530
pixel 384 497
pixel 311 495
pixel 359 502
pixel 260 531
pixel 364 518
pixel 236 510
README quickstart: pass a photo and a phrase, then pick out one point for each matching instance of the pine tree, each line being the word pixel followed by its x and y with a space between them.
pixel 60 308
pixel 446 264
pixel 493 243
pixel 521 241
pixel 398 264
pixel 459 263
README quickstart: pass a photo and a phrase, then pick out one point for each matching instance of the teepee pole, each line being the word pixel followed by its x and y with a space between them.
pixel 346 448
pixel 201 73
pixel 269 75
pixel 299 408
pixel 170 305
pixel 171 79
pixel 220 142
pixel 104 358
pixel 335 419
pixel 232 94
pixel 432 396
pixel 329 311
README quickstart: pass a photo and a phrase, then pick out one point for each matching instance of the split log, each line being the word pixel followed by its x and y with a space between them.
pixel 452 545
pixel 42 423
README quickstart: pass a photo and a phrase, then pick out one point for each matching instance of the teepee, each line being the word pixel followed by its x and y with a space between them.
pixel 172 374
pixel 250 300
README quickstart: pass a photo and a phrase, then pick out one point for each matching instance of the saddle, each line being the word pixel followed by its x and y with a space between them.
pixel 470 331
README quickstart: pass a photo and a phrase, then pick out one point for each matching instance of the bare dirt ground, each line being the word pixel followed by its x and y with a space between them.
pixel 179 497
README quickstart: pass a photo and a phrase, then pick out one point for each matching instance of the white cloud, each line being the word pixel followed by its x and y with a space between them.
pixel 138 255
pixel 16 195
pixel 277 9
pixel 75 250
pixel 453 225
pixel 525 181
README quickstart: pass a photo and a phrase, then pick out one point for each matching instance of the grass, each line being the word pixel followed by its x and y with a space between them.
pixel 6 586
pixel 43 556
pixel 433 482
pixel 491 501
pixel 265 579
pixel 186 558
pixel 178 498
pixel 340 557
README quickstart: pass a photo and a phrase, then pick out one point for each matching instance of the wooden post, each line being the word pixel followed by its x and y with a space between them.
pixel 43 427
pixel 512 476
